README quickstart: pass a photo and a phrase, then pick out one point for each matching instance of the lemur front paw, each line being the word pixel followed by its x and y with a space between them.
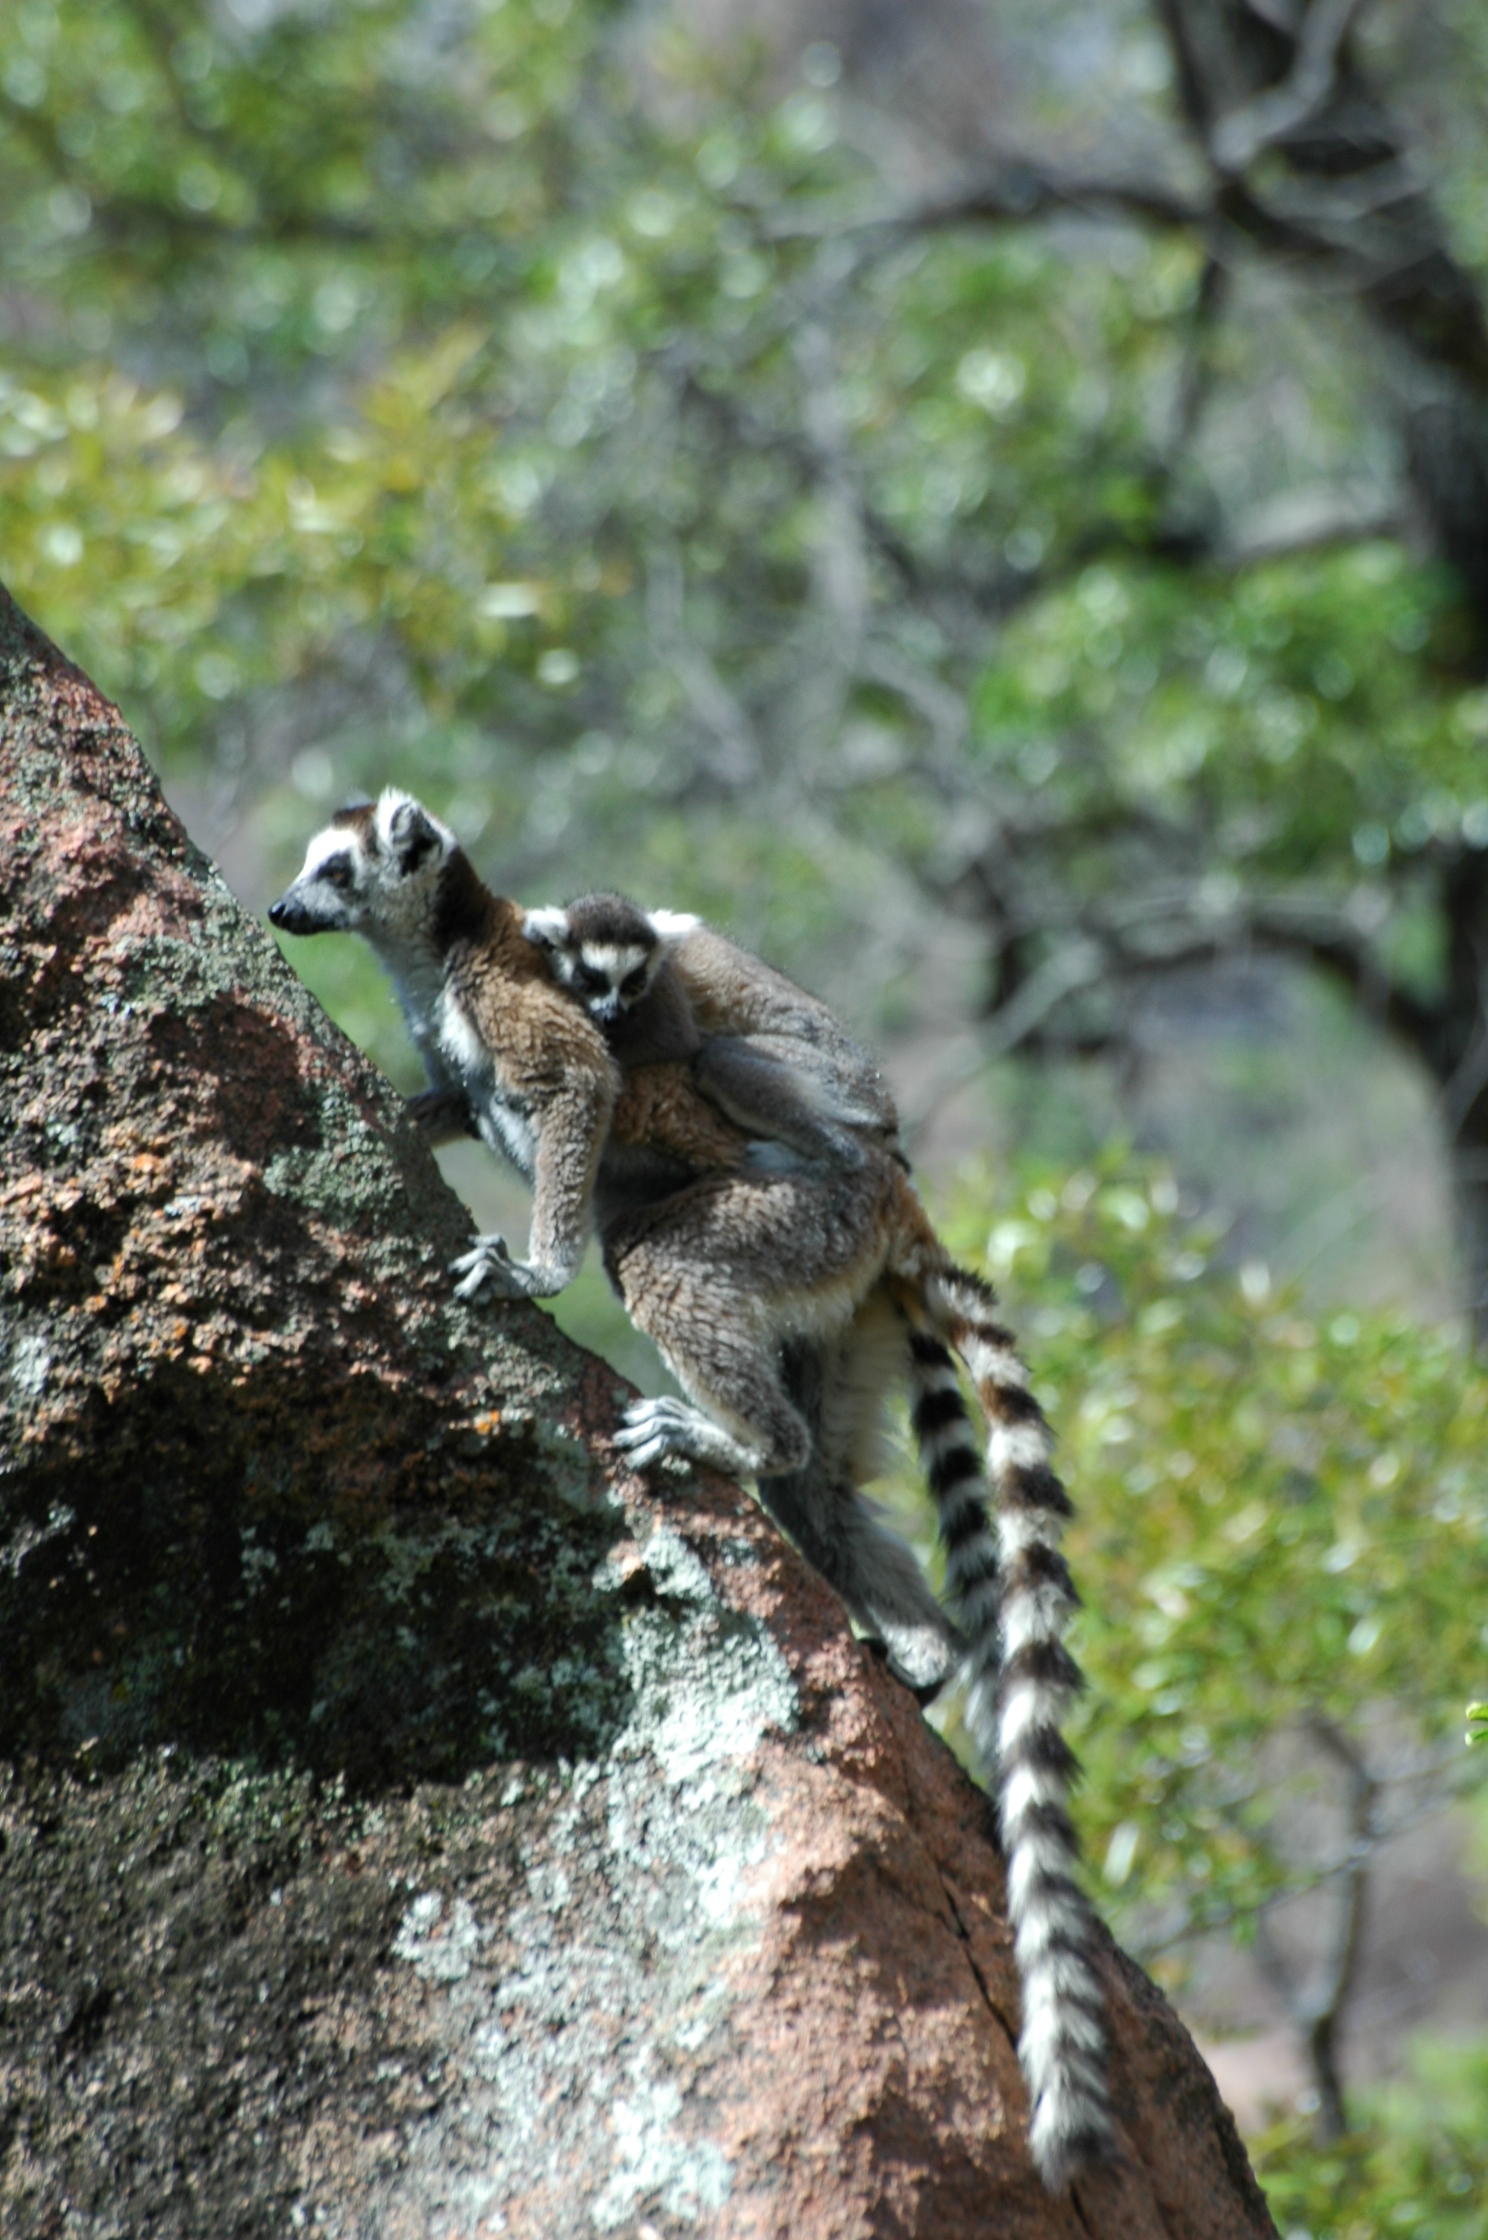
pixel 489 1271
pixel 653 1429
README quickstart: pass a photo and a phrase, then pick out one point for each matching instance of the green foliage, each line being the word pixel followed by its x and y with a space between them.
pixel 1418 2164
pixel 1283 1525
pixel 1304 712
pixel 560 423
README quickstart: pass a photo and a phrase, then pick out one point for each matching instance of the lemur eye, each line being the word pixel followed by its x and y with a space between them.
pixel 634 982
pixel 338 874
pixel 593 979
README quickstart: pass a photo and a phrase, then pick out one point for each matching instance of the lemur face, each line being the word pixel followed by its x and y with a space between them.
pixel 604 951
pixel 373 870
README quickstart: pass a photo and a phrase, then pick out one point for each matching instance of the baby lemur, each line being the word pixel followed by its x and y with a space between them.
pixel 770 1056
pixel 786 1301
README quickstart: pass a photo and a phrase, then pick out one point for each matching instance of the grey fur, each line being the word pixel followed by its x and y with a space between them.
pixel 800 1084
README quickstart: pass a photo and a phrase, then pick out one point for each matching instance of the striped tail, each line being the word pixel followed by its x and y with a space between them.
pixel 950 1452
pixel 1016 1704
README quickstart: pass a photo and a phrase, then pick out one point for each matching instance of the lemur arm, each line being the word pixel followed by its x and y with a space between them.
pixel 772 1098
pixel 567 1136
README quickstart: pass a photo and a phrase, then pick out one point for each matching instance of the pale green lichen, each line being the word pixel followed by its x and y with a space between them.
pixel 657 2163
pixel 579 2021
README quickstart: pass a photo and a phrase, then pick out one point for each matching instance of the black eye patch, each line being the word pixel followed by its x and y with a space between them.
pixel 634 982
pixel 593 980
pixel 336 873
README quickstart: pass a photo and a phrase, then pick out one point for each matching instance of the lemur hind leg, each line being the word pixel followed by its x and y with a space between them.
pixel 721 1276
pixel 776 1101
pixel 787 1381
pixel 839 1389
pixel 741 1419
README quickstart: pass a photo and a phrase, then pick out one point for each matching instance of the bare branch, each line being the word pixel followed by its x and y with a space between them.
pixel 1325 2003
pixel 1236 140
pixel 1075 966
pixel 1157 931
pixel 1011 192
pixel 739 761
pixel 1315 518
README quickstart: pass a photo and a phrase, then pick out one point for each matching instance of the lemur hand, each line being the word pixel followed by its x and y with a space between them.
pixel 488 1270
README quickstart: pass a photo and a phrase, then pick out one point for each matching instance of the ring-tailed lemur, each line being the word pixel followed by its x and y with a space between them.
pixel 784 1304
pixel 783 1069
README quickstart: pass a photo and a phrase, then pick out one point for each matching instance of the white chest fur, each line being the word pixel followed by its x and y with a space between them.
pixel 503 1118
pixel 461 1047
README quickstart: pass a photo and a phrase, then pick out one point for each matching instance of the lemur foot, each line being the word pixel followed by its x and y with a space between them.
pixel 920 1660
pixel 489 1271
pixel 653 1429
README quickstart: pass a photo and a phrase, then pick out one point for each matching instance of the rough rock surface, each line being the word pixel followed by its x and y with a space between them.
pixel 412 1824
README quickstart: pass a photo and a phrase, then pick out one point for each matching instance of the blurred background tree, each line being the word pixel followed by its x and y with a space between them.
pixel 991 501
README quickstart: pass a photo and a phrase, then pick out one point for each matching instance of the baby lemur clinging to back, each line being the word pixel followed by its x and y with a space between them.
pixel 785 1301
pixel 666 988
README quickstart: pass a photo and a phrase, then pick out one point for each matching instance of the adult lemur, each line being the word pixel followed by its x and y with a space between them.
pixel 785 1300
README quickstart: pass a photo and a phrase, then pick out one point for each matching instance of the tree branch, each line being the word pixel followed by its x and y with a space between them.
pixel 738 760
pixel 1010 192
pixel 1236 140
pixel 1162 932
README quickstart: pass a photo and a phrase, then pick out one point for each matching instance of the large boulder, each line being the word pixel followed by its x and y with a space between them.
pixel 413 1823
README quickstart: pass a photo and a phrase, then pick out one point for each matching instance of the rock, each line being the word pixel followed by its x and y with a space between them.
pixel 413 1824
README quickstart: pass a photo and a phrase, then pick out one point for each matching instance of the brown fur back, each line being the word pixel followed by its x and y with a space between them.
pixel 660 1108
pixel 538 1036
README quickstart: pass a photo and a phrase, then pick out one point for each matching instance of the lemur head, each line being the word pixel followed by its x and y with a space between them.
pixel 602 949
pixel 373 870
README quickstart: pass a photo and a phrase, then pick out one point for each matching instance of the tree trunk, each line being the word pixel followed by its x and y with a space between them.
pixel 1469 1175
pixel 412 1823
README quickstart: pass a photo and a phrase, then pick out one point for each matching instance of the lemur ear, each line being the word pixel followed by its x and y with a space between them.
pixel 673 926
pixel 412 835
pixel 546 929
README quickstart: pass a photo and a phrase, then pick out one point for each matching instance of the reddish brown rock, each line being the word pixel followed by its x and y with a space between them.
pixel 413 1826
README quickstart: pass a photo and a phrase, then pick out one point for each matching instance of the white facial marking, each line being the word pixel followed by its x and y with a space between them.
pixel 615 960
pixel 334 841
